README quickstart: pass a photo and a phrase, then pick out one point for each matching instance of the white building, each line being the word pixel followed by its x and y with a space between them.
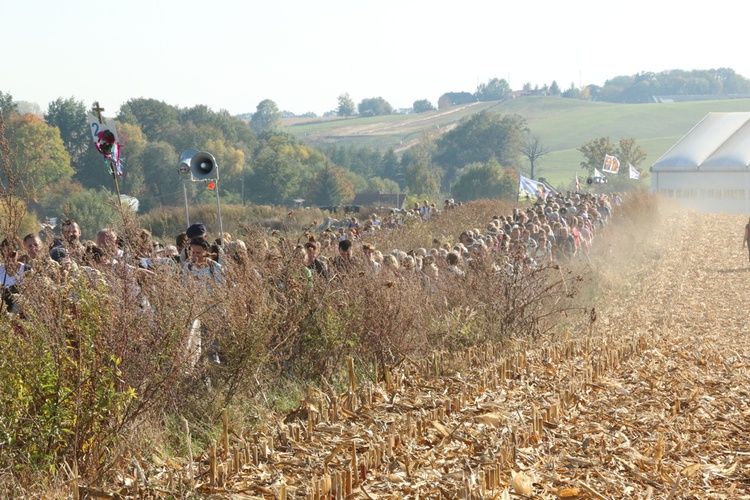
pixel 709 168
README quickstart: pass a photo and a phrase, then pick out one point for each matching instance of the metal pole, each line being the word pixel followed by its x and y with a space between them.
pixel 218 209
pixel 187 213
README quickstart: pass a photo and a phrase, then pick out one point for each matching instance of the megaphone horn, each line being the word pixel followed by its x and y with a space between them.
pixel 184 165
pixel 203 165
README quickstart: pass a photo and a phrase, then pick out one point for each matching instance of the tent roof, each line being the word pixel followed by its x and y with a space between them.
pixel 720 142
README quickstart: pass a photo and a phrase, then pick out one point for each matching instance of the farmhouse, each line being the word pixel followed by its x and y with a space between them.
pixel 379 200
pixel 709 168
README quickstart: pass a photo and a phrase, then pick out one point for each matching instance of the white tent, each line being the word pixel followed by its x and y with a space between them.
pixel 709 168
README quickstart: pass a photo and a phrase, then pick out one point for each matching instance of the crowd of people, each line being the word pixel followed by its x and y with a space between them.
pixel 560 228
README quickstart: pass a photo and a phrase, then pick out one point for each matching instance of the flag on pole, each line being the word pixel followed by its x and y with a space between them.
pixel 107 142
pixel 611 164
pixel 531 187
pixel 598 174
pixel 578 184
pixel 634 174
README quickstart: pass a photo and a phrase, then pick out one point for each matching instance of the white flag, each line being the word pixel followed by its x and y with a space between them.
pixel 532 187
pixel 611 164
pixel 634 174
pixel 597 174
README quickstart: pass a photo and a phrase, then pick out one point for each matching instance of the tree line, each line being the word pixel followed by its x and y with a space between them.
pixel 62 172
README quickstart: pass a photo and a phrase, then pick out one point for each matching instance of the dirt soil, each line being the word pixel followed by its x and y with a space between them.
pixel 650 400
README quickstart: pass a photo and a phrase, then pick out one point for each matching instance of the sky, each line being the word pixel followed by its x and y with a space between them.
pixel 303 54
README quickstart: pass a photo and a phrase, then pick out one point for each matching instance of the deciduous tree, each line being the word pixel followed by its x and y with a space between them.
pixel 156 119
pixel 374 106
pixel 345 106
pixel 533 149
pixel 329 187
pixel 478 139
pixel 69 116
pixel 422 106
pixel 494 90
pixel 37 154
pixel 7 106
pixel 485 181
pixel 266 117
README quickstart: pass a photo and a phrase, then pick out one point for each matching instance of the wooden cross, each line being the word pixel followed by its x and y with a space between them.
pixel 96 109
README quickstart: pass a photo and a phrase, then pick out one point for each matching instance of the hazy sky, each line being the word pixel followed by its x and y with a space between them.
pixel 303 54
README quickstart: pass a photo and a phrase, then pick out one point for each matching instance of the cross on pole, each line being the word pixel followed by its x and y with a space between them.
pixel 98 110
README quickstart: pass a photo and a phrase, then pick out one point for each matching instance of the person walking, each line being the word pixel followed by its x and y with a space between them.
pixel 746 239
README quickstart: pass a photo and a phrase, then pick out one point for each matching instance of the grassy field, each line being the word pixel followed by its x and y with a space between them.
pixel 562 125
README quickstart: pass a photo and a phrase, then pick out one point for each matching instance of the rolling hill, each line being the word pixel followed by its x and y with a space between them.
pixel 562 126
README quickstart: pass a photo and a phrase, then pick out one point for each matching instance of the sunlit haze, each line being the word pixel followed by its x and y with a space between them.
pixel 233 54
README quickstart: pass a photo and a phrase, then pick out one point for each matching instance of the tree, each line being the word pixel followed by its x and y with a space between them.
pixel 494 90
pixel 478 139
pixel 330 187
pixel 276 177
pixel 7 106
pixel 159 162
pixel 533 149
pixel 554 88
pixel 346 106
pixel 69 116
pixel 383 186
pixel 156 119
pixel 282 167
pixel 573 92
pixel 28 108
pixel 485 181
pixel 374 106
pixel 422 106
pixel 37 153
pixel 92 209
pixel 391 167
pixel 233 129
pixel 134 181
pixel 594 151
pixel 266 117
pixel 627 151
pixel 421 176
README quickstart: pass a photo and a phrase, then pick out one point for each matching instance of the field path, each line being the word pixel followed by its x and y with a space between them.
pixel 651 400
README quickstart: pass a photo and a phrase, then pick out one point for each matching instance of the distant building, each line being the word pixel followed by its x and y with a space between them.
pixel 379 200
pixel 513 94
pixel 450 99
pixel 662 99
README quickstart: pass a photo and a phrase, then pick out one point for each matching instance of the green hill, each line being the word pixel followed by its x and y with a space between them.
pixel 562 125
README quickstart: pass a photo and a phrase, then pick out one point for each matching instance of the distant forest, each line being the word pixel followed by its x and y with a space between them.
pixel 642 87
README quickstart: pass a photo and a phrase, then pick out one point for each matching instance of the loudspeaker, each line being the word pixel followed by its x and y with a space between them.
pixel 200 164
pixel 203 166
pixel 589 181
